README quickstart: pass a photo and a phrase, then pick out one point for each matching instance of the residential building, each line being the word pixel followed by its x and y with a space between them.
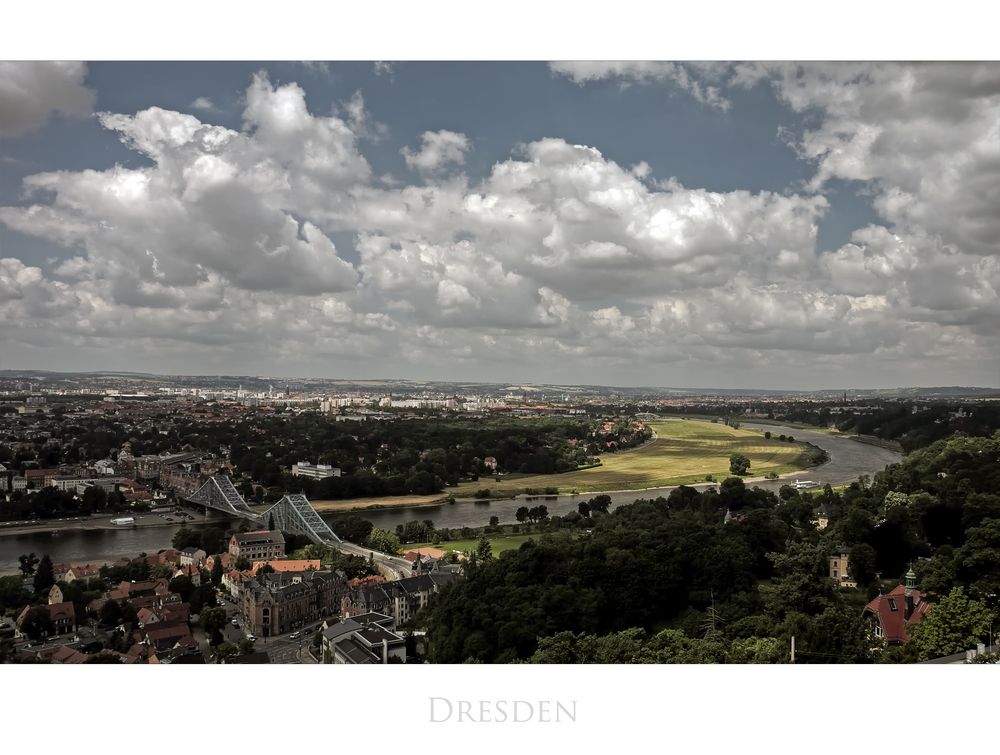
pixel 190 571
pixel 840 569
pixel 315 472
pixel 364 639
pixel 227 561
pixel 168 635
pixel 400 599
pixel 892 616
pixel 192 557
pixel 71 482
pixel 260 545
pixel 278 602
pixel 62 616
pixel 84 572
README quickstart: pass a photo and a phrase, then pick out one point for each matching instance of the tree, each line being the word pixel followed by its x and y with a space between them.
pixel 522 513
pixel 111 613
pixel 217 572
pixel 246 646
pixel 583 508
pixel 213 621
pixel 767 435
pixel 212 540
pixel 862 563
pixel 12 593
pixel 494 521
pixel 386 542
pixel 600 503
pixel 270 521
pixel 186 538
pixel 28 564
pixel 37 623
pixel 183 586
pixel 44 577
pixel 95 498
pixel 739 464
pixel 484 549
pixel 955 624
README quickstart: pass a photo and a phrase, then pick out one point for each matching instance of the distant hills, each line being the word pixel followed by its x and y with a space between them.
pixel 306 384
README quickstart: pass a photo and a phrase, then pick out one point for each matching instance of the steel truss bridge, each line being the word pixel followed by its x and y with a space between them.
pixel 293 513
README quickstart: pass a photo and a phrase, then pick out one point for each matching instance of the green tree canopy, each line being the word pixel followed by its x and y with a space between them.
pixel 27 564
pixel 739 464
pixel 954 625
pixel 44 576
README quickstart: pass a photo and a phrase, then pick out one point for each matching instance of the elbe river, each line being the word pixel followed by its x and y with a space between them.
pixel 848 460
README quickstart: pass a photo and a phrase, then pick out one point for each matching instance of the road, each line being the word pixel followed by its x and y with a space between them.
pixel 392 567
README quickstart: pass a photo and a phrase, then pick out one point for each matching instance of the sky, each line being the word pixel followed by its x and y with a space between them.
pixel 758 225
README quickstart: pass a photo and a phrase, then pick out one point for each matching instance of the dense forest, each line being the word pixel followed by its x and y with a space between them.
pixel 670 580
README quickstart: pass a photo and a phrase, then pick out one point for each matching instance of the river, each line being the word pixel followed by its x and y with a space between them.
pixel 848 460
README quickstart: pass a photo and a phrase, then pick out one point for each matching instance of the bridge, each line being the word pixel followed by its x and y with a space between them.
pixel 293 513
pixel 220 494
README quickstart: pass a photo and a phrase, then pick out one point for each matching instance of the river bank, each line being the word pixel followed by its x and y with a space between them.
pixel 849 459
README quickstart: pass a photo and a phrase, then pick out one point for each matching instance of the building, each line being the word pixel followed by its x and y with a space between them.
pixel 260 545
pixel 279 602
pixel 192 557
pixel 62 616
pixel 84 572
pixel 225 559
pixel 400 599
pixel 72 482
pixel 364 639
pixel 892 616
pixel 840 569
pixel 315 472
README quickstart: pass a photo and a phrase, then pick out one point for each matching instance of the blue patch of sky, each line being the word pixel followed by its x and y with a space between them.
pixel 497 105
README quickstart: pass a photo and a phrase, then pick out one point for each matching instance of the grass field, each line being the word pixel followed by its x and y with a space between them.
pixel 684 452
pixel 500 544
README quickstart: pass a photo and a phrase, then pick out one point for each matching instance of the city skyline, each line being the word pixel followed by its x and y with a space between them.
pixel 741 225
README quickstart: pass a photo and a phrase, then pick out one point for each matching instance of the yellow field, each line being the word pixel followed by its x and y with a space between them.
pixel 684 452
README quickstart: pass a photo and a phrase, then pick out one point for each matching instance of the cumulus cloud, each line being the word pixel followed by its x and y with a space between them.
pixel 438 149
pixel 203 103
pixel 558 260
pixel 30 92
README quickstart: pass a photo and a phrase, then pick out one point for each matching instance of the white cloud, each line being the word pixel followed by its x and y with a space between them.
pixel 438 149
pixel 203 103
pixel 697 80
pixel 559 260
pixel 30 92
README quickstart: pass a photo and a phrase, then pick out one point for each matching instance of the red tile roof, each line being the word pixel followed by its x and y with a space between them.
pixel 891 613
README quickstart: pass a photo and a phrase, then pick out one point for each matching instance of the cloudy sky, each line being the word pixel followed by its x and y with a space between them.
pixel 688 225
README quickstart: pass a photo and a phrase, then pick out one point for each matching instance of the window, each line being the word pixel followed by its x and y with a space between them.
pixel 892 604
pixel 878 630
